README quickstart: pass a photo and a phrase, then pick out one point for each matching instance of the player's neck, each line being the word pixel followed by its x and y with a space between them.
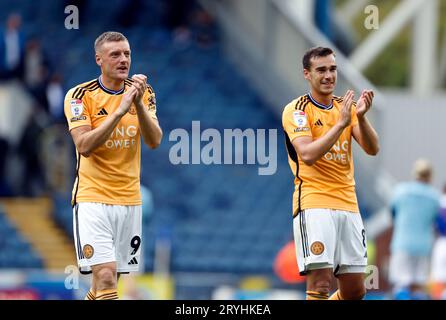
pixel 322 99
pixel 111 84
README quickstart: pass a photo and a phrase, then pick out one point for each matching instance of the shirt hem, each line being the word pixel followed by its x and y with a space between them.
pixel 329 207
pixel 119 203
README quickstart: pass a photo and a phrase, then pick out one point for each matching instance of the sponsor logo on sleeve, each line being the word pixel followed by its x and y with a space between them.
pixel 300 118
pixel 77 108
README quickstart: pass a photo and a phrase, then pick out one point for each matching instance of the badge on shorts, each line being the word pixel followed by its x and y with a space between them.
pixel 317 248
pixel 88 251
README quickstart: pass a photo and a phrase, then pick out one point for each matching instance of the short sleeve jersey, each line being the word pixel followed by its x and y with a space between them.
pixel 329 183
pixel 111 174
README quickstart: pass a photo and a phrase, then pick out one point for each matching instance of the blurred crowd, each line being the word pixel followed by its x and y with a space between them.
pixel 24 60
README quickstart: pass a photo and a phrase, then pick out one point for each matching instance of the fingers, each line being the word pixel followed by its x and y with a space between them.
pixel 132 90
pixel 368 97
pixel 140 81
pixel 348 99
pixel 139 76
pixel 138 84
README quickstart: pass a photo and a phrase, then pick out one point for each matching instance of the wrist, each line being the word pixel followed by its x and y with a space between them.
pixel 139 104
pixel 119 113
pixel 341 126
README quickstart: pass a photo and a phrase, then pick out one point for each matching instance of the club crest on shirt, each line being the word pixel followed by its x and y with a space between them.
pixel 76 107
pixel 132 110
pixel 300 118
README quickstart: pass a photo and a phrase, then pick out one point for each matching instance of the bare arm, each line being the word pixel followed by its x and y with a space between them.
pixel 366 136
pixel 88 140
pixel 310 150
pixel 150 129
pixel 364 133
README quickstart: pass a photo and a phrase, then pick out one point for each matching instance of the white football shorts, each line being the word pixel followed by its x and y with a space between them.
pixel 405 269
pixel 107 233
pixel 327 238
pixel 438 267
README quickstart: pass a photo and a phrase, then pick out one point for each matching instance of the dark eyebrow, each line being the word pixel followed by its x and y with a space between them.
pixel 119 51
pixel 324 67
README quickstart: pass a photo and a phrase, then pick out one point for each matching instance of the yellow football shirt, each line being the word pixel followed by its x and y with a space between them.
pixel 111 174
pixel 329 183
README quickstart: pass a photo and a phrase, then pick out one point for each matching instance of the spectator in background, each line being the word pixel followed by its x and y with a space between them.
pixel 4 146
pixel 36 71
pixel 177 17
pixel 55 96
pixel 438 271
pixel 12 47
pixel 33 181
pixel 188 23
pixel 414 207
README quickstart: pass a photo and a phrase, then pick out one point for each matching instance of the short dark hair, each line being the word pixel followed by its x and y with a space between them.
pixel 108 36
pixel 315 52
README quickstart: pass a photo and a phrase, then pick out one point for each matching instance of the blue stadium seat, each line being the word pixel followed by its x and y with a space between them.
pixel 15 251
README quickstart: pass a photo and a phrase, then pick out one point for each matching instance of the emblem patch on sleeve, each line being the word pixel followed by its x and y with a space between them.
pixel 300 118
pixel 76 107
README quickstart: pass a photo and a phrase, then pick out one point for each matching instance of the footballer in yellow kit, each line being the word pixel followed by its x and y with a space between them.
pixel 328 230
pixel 111 174
pixel 107 119
pixel 329 183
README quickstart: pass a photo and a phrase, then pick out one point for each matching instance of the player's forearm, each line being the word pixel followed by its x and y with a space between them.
pixel 150 130
pixel 93 139
pixel 318 148
pixel 368 138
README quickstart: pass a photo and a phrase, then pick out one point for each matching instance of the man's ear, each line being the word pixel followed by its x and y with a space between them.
pixel 306 74
pixel 98 60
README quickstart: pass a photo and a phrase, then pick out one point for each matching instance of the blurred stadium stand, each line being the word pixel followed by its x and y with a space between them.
pixel 15 250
